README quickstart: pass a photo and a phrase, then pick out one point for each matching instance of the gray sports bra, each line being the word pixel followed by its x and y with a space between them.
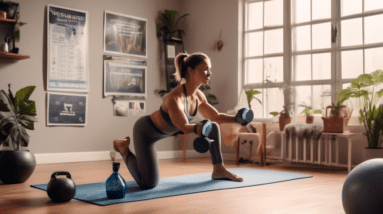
pixel 169 122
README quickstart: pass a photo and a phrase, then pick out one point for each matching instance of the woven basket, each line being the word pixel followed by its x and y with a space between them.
pixel 335 124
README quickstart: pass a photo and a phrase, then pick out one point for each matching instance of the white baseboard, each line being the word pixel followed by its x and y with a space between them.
pixel 105 155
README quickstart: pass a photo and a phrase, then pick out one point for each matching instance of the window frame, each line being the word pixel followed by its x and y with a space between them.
pixel 336 82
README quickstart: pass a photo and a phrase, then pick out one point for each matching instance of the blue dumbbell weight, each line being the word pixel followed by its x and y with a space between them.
pixel 244 116
pixel 202 144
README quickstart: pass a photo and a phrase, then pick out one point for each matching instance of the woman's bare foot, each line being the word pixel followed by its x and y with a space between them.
pixel 221 173
pixel 122 145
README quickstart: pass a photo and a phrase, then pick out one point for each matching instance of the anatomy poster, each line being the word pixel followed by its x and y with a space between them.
pixel 67 68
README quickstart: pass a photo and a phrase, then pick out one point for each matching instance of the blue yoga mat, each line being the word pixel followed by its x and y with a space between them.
pixel 95 193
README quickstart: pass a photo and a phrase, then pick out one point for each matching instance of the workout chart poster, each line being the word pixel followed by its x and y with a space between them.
pixel 67 50
pixel 67 109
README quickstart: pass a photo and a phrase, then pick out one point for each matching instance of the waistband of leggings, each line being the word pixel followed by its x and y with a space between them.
pixel 153 125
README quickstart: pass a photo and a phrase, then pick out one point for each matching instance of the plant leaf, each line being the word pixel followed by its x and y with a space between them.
pixel 27 121
pixel 27 108
pixel 24 137
pixel 171 15
pixel 10 94
pixel 166 20
pixel 380 93
pixel 180 18
pixel 23 95
pixel 5 104
pixel 362 81
pixel 250 94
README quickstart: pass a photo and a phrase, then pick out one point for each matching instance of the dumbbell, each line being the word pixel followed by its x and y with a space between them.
pixel 202 144
pixel 244 116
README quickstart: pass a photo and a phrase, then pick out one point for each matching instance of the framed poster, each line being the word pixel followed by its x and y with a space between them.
pixel 68 67
pixel 124 79
pixel 124 34
pixel 67 109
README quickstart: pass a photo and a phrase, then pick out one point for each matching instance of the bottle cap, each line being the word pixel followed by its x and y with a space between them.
pixel 116 166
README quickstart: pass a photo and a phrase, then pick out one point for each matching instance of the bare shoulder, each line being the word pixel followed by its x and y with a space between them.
pixel 201 96
pixel 175 96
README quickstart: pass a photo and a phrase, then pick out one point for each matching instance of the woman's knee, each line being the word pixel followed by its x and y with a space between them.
pixel 149 185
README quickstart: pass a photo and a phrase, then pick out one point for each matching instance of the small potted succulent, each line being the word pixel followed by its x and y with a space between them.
pixel 307 112
pixel 17 113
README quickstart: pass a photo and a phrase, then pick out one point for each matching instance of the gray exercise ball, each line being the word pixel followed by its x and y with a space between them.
pixel 362 190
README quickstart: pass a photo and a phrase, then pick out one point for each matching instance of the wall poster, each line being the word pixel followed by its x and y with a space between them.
pixel 67 109
pixel 125 78
pixel 124 34
pixel 68 67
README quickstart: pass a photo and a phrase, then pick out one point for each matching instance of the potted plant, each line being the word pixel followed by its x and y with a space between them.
pixel 17 113
pixel 285 114
pixel 317 113
pixel 250 95
pixel 168 25
pixel 371 112
pixel 307 112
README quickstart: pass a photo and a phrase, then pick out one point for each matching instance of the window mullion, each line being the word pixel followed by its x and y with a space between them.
pixel 264 109
pixel 287 49
pixel 363 38
pixel 336 68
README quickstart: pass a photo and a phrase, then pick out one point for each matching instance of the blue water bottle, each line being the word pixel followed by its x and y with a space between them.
pixel 115 185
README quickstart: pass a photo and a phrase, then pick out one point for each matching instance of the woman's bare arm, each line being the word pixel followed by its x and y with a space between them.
pixel 209 112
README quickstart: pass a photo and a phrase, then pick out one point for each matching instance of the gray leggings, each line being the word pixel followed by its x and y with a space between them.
pixel 144 165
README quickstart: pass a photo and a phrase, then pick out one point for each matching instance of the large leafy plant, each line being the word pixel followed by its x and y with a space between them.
pixel 169 23
pixel 17 113
pixel 371 113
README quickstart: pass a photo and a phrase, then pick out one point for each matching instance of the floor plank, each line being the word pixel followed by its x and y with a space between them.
pixel 319 194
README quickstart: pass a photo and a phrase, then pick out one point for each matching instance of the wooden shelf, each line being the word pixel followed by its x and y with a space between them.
pixel 13 56
pixel 12 21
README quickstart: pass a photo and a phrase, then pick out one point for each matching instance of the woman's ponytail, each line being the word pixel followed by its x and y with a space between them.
pixel 181 69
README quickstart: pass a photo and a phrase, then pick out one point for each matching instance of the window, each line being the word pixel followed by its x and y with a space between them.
pixel 316 46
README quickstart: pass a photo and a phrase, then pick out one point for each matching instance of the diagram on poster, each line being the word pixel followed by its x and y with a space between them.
pixel 66 109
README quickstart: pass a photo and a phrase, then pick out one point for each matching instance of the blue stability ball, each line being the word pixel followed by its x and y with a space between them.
pixel 362 191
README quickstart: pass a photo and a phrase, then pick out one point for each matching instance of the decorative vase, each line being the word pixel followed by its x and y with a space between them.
pixel 115 185
pixel 371 153
pixel 309 119
pixel 283 121
pixel 16 166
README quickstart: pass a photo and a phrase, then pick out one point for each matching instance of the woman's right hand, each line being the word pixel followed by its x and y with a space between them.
pixel 198 129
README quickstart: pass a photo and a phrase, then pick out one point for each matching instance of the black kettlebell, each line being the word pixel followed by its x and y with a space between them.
pixel 202 144
pixel 61 189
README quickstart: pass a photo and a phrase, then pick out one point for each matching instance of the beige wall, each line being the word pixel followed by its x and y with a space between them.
pixel 102 127
pixel 207 19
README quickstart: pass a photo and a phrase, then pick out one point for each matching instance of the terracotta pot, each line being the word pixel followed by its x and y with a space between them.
pixel 283 121
pixel 309 119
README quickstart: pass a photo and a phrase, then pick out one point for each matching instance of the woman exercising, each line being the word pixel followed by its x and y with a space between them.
pixel 177 110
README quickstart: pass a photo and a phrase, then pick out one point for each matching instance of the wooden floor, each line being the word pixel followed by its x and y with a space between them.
pixel 320 194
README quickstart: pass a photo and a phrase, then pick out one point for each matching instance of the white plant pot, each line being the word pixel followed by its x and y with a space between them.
pixel 372 153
